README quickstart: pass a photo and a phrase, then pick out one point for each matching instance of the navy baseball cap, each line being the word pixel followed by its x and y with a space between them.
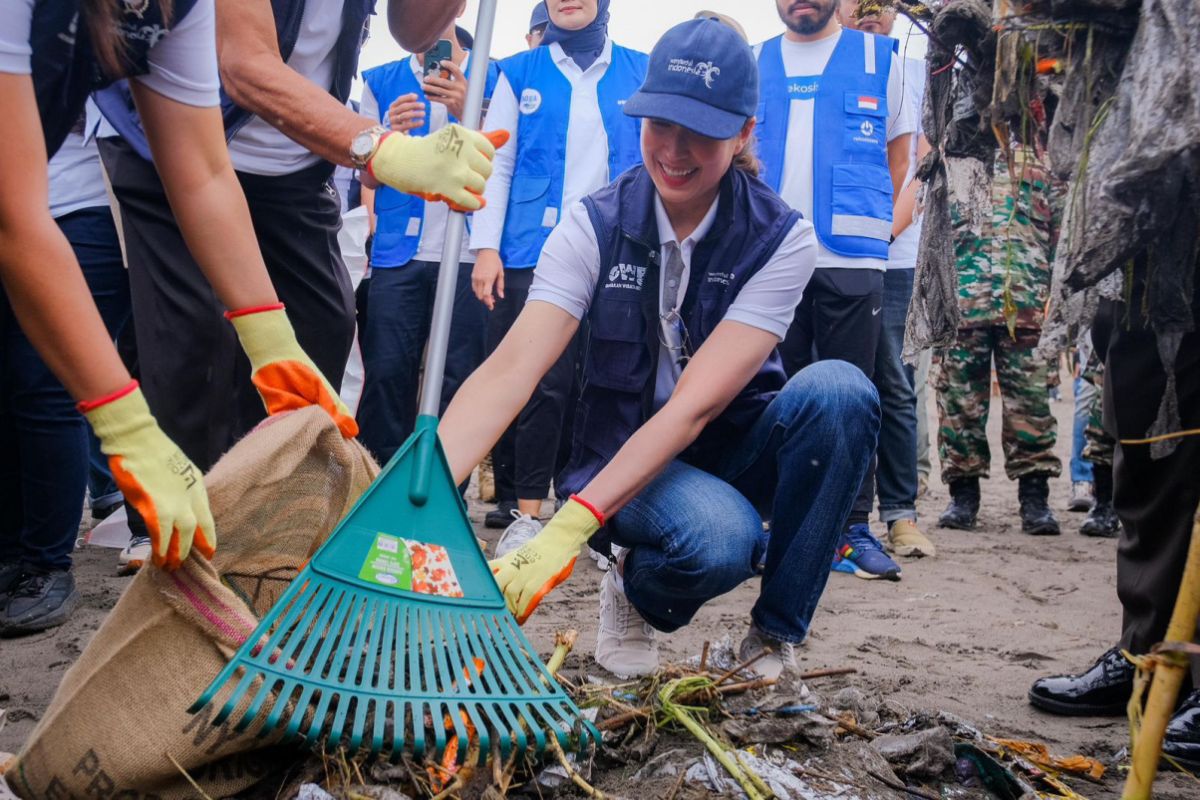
pixel 703 77
pixel 539 17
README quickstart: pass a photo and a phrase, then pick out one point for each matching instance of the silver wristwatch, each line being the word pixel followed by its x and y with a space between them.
pixel 364 144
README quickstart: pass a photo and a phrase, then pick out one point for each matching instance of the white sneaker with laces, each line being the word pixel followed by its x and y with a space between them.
pixel 625 643
pixel 518 534
pixel 782 657
pixel 603 562
pixel 134 555
pixel 1081 496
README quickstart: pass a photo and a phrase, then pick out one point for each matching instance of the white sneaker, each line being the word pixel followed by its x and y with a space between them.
pixel 518 534
pixel 603 562
pixel 134 555
pixel 782 657
pixel 625 643
pixel 1081 496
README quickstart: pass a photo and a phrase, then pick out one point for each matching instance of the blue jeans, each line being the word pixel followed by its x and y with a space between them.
pixel 896 476
pixel 399 312
pixel 694 535
pixel 1081 469
pixel 43 439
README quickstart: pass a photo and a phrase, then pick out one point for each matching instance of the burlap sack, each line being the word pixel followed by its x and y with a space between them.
pixel 118 725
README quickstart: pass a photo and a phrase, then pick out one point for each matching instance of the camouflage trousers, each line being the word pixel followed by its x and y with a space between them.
pixel 1098 447
pixel 964 387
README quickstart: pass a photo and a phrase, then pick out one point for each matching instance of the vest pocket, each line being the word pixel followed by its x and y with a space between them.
pixel 618 357
pixel 865 126
pixel 862 201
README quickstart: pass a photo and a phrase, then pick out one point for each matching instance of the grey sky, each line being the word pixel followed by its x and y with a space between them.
pixel 635 23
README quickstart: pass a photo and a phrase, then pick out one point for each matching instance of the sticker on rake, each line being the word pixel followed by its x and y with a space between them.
pixel 410 565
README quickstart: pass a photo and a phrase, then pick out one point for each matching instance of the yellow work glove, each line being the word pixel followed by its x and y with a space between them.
pixel 451 165
pixel 155 476
pixel 528 574
pixel 285 376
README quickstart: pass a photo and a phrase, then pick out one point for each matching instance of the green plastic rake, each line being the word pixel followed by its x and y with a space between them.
pixel 395 636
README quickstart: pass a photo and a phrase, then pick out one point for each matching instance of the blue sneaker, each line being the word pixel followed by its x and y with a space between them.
pixel 859 553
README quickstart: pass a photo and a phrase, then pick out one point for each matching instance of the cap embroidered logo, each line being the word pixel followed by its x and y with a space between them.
pixel 706 70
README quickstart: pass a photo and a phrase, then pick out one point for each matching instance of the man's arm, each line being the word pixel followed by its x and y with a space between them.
pixel 898 150
pixel 256 78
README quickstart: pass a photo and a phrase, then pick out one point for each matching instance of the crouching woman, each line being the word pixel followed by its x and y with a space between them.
pixel 688 270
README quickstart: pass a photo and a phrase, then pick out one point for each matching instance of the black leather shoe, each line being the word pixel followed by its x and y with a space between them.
pixel 1101 691
pixel 964 505
pixel 1182 742
pixel 500 516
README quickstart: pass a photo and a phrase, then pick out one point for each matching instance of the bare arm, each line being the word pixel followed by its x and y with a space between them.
pixel 721 368
pixel 417 24
pixel 188 144
pixel 368 200
pixel 906 204
pixel 898 156
pixel 255 76
pixel 41 275
pixel 496 392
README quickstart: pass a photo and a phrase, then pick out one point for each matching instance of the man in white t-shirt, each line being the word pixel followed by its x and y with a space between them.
pixel 896 475
pixel 286 71
pixel 834 136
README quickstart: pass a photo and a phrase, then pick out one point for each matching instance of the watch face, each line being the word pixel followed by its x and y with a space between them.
pixel 362 144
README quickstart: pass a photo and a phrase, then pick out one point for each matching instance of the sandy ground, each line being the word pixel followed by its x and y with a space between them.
pixel 965 632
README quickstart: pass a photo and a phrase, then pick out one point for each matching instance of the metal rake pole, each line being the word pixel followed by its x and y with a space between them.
pixel 443 304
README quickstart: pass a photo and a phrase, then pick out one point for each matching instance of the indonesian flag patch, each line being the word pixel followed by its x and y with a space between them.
pixel 869 103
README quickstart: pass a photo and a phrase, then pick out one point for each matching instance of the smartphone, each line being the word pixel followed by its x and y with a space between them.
pixel 435 55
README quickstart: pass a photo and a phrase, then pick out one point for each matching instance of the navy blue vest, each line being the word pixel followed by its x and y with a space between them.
pixel 63 63
pixel 544 99
pixel 852 187
pixel 400 217
pixel 116 103
pixel 621 360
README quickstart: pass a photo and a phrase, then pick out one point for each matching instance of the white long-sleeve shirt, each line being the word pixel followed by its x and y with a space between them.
pixel 587 151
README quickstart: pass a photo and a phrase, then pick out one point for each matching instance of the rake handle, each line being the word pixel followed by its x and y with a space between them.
pixel 443 302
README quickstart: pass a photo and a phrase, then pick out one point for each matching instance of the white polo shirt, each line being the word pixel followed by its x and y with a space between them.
pixel 587 146
pixel 569 268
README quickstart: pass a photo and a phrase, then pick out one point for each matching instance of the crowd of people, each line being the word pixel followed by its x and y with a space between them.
pixel 680 308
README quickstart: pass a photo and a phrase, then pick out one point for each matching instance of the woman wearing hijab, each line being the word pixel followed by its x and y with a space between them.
pixel 562 102
pixel 688 270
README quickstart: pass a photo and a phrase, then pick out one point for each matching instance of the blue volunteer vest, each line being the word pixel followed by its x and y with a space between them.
pixel 621 362
pixel 852 187
pixel 400 217
pixel 64 67
pixel 544 97
pixel 116 102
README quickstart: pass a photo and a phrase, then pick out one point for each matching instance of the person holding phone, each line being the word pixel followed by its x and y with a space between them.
pixel 688 269
pixel 562 103
pixel 416 96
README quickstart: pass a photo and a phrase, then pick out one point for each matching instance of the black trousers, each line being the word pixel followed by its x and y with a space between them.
pixel 525 458
pixel 399 313
pixel 1155 499
pixel 192 369
pixel 839 318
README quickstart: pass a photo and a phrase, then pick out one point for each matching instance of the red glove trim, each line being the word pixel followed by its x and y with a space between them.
pixel 84 406
pixel 245 312
pixel 595 511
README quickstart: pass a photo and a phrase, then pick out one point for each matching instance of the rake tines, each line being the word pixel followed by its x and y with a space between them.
pixel 348 667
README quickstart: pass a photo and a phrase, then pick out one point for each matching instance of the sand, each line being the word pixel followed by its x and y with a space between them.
pixel 965 632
